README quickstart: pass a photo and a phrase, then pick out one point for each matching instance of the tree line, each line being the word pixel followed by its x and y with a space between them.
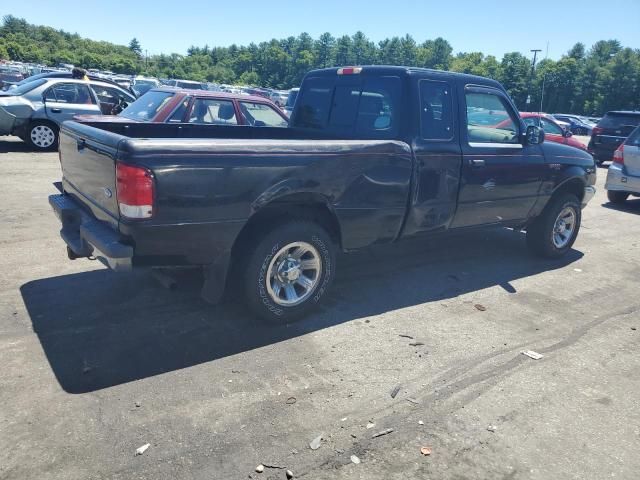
pixel 590 81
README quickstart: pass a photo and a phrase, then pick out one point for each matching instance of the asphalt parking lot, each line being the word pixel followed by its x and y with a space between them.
pixel 97 364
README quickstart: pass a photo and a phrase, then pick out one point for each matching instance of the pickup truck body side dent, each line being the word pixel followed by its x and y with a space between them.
pixel 216 186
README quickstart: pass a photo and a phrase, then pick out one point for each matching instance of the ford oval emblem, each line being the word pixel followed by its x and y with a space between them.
pixel 107 193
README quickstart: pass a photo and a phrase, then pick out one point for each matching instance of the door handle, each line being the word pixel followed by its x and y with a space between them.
pixel 475 162
pixel 56 110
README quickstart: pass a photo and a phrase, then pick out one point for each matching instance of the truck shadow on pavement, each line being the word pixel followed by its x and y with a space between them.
pixel 14 146
pixel 100 329
pixel 632 205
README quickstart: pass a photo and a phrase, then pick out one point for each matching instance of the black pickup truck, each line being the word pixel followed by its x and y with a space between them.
pixel 373 155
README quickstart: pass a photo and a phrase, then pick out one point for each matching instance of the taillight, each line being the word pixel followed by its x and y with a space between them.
pixel 135 190
pixel 596 131
pixel 618 155
pixel 349 70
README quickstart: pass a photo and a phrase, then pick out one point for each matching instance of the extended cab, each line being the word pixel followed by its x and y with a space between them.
pixel 372 155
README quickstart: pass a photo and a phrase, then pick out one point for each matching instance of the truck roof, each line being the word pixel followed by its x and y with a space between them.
pixel 405 71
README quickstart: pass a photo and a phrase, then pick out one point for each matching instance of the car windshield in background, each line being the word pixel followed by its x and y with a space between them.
pixel 25 87
pixel 147 106
pixel 617 120
pixel 141 88
pixel 190 85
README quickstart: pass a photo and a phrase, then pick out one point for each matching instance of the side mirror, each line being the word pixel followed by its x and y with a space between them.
pixel 534 135
pixel 567 133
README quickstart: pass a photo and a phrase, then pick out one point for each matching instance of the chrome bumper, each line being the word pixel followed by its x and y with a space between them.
pixel 618 180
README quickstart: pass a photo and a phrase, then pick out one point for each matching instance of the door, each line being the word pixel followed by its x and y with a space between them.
pixel 500 177
pixel 64 100
pixel 438 157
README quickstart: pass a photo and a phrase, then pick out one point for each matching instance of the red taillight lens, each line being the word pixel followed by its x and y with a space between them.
pixel 135 191
pixel 596 131
pixel 618 155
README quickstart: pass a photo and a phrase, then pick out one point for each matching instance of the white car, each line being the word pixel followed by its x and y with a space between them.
pixel 623 176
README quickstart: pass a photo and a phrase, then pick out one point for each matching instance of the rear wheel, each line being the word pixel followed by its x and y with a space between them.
pixel 289 271
pixel 617 197
pixel 552 234
pixel 42 135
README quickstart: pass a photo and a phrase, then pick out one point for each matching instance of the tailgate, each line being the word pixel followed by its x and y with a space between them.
pixel 88 160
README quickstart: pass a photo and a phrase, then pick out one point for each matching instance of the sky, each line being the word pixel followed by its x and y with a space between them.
pixel 492 27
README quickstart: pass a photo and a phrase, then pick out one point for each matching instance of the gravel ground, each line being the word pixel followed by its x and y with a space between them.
pixel 97 364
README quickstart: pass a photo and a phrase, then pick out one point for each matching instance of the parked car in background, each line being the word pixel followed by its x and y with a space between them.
pixel 170 105
pixel 623 176
pixel 553 132
pixel 291 101
pixel 577 125
pixel 34 111
pixel 610 132
pixel 10 76
pixel 142 85
pixel 185 84
pixel 64 74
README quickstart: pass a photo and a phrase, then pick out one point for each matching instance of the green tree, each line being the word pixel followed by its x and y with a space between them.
pixel 135 47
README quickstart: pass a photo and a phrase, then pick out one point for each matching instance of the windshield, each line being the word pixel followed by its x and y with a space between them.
pixel 147 106
pixel 23 88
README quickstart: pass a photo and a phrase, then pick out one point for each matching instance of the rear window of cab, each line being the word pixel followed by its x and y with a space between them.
pixel 350 105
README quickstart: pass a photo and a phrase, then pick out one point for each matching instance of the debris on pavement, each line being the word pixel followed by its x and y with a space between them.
pixel 482 308
pixel 492 428
pixel 260 468
pixel 370 425
pixel 532 354
pixel 279 467
pixel 416 344
pixel 413 400
pixel 291 400
pixel 577 270
pixel 420 422
pixel 344 419
pixel 355 459
pixel 142 449
pixel 395 391
pixel 138 404
pixel 406 336
pixel 289 474
pixel 425 451
pixel 386 431
pixel 315 443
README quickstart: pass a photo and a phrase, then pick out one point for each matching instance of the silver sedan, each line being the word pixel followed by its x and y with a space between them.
pixel 35 110
pixel 623 177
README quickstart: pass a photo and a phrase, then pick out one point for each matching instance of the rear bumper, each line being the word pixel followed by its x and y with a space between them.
pixel 618 180
pixel 87 237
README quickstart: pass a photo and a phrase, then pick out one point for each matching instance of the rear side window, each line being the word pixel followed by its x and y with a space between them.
pixel 617 120
pixel 261 115
pixel 219 112
pixel 76 93
pixel 365 107
pixel 436 110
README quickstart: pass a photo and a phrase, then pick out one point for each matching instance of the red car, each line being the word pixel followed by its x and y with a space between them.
pixel 171 105
pixel 552 131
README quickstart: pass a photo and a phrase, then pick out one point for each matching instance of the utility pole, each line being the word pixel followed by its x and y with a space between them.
pixel 533 68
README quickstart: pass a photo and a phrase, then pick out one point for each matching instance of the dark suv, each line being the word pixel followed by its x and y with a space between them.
pixel 610 132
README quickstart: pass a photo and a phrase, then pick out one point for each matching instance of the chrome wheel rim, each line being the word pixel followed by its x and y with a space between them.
pixel 42 136
pixel 564 227
pixel 293 273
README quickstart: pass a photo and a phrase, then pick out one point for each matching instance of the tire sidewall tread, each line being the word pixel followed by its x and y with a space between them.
pixel 539 234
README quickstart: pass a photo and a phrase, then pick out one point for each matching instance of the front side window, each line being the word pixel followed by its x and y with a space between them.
pixel 436 110
pixel 261 115
pixel 211 111
pixel 76 93
pixel 489 121
pixel 110 95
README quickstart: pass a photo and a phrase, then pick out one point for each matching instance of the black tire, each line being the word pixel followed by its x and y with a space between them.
pixel 260 297
pixel 540 234
pixel 42 135
pixel 617 197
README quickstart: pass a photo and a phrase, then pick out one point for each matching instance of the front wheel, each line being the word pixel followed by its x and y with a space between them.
pixel 42 136
pixel 552 234
pixel 617 197
pixel 289 271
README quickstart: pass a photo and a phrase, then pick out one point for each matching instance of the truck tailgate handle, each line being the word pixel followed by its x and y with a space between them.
pixel 476 162
pixel 81 143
